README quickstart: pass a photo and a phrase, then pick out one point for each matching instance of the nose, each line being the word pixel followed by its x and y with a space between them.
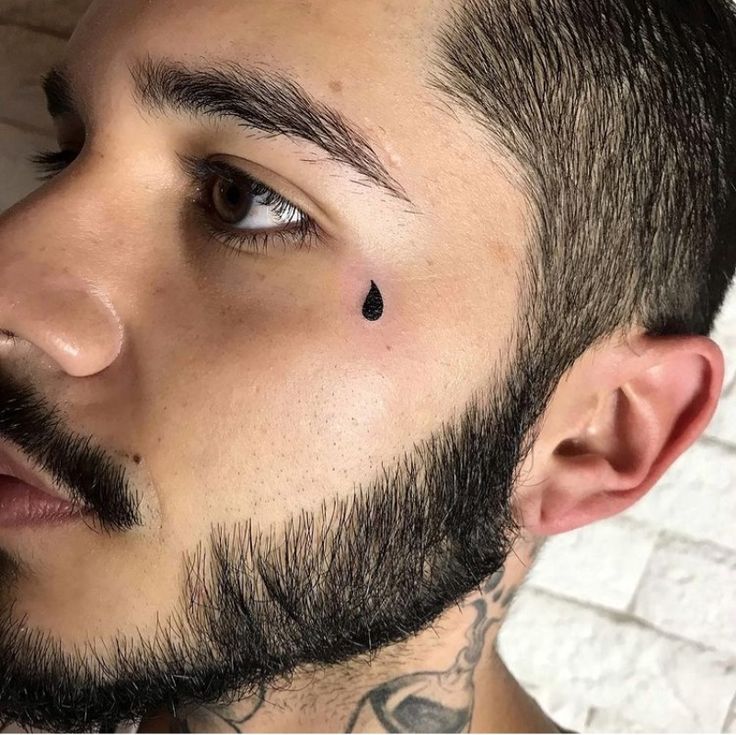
pixel 62 314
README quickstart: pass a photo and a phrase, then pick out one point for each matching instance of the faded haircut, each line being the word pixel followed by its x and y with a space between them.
pixel 621 116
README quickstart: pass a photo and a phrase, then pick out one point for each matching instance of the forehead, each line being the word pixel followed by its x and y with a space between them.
pixel 360 48
pixel 364 58
pixel 369 59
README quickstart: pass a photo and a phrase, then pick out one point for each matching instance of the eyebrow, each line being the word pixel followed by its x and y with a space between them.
pixel 266 101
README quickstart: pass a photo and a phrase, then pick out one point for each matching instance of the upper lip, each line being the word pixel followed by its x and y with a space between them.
pixel 16 465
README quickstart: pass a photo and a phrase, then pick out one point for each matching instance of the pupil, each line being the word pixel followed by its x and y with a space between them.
pixel 232 201
pixel 232 195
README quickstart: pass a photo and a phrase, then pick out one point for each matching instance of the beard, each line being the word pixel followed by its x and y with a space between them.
pixel 326 587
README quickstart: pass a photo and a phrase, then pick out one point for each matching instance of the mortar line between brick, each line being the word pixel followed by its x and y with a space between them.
pixel 716 442
pixel 632 600
pixel 625 618
pixel 588 718
pixel 678 534
pixel 730 714
pixel 35 29
pixel 706 544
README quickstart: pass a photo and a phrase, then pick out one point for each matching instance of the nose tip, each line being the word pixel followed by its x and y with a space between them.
pixel 67 317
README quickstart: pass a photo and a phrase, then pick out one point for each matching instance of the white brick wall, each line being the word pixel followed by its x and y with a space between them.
pixel 587 565
pixel 689 589
pixel 618 671
pixel 723 423
pixel 731 719
pixel 696 498
pixel 626 625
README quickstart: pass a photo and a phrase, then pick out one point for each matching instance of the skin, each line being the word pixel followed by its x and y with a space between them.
pixel 169 349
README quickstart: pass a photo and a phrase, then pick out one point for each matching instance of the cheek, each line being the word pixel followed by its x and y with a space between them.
pixel 438 337
pixel 300 406
pixel 265 440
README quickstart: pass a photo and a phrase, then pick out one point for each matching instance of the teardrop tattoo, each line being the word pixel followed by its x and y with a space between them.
pixel 373 305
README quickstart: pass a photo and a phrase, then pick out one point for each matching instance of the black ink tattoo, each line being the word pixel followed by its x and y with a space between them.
pixel 373 305
pixel 432 701
pixel 224 722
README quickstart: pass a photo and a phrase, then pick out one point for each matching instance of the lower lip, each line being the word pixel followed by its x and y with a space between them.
pixel 23 505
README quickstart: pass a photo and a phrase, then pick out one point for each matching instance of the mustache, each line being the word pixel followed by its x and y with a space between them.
pixel 91 478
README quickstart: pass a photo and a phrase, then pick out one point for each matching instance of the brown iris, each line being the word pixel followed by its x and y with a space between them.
pixel 231 200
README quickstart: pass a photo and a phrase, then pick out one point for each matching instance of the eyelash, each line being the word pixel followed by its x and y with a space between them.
pixel 202 173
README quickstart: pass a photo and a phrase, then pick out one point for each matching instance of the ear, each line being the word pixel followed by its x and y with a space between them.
pixel 617 420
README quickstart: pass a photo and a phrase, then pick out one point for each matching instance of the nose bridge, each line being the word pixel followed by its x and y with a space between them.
pixel 45 297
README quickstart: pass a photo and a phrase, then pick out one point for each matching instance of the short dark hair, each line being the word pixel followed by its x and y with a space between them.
pixel 622 117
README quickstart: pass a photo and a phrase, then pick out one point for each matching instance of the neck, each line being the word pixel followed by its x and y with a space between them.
pixel 447 678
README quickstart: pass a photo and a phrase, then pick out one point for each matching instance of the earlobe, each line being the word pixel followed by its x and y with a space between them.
pixel 648 408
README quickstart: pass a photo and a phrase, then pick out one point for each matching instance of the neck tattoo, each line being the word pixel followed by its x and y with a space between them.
pixel 373 305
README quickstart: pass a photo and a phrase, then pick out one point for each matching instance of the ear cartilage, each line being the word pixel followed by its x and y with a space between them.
pixel 373 304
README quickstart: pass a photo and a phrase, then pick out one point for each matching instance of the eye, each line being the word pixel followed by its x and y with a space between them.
pixel 247 204
pixel 238 211
pixel 242 212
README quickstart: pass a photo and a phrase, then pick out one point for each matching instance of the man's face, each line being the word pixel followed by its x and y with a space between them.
pixel 248 390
